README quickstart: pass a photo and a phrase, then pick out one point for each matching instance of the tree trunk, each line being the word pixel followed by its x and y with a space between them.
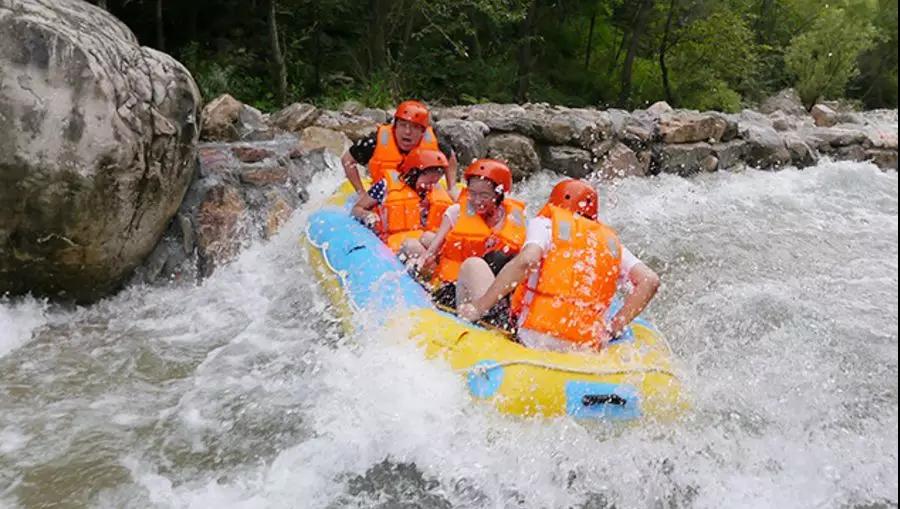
pixel 160 31
pixel 279 67
pixel 590 41
pixel 663 49
pixel 317 50
pixel 377 38
pixel 633 46
pixel 523 83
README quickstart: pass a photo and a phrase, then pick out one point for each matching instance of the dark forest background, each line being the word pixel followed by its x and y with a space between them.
pixel 702 54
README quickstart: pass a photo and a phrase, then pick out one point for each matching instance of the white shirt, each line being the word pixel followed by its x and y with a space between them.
pixel 540 233
pixel 452 214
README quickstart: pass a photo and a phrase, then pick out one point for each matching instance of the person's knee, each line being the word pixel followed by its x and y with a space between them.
pixel 473 267
pixel 412 247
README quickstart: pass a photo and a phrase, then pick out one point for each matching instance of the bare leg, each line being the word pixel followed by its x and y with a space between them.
pixel 411 250
pixel 475 277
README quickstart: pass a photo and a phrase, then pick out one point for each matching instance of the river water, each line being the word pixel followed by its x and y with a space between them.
pixel 779 297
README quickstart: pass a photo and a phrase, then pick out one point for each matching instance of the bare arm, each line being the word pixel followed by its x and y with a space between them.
pixel 511 276
pixel 450 174
pixel 435 247
pixel 363 210
pixel 646 284
pixel 351 171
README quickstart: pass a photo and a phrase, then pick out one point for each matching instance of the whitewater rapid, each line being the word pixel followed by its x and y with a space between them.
pixel 779 298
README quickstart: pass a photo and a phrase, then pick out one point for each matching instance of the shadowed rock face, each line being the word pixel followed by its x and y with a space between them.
pixel 97 148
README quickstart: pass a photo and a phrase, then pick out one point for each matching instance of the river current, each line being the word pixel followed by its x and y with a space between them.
pixel 779 297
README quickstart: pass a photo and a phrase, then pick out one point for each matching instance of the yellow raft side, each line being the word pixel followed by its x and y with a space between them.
pixel 534 381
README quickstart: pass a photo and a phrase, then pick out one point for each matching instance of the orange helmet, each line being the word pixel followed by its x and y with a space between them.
pixel 423 159
pixel 493 170
pixel 413 111
pixel 577 196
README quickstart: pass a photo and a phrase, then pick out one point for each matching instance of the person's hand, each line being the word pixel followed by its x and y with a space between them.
pixel 469 312
pixel 422 263
pixel 371 220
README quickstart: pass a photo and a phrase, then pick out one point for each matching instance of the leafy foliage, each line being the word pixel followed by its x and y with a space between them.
pixel 702 54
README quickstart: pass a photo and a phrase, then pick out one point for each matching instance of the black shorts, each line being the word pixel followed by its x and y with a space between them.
pixel 499 316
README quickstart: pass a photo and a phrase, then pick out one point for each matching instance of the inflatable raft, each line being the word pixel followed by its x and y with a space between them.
pixel 633 378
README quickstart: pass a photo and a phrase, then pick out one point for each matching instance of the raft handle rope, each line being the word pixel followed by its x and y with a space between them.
pixel 483 369
pixel 341 275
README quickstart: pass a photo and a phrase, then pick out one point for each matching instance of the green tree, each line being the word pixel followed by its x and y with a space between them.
pixel 824 59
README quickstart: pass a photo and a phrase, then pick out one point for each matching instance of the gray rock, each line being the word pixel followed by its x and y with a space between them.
pixel 517 150
pixel 765 149
pixel 802 154
pixel 692 127
pixel 884 159
pixel 824 116
pixel 851 153
pixel 314 137
pixel 295 117
pixel 684 159
pixel 569 161
pixel 97 147
pixel 467 138
pixel 620 162
pixel 827 139
pixel 354 126
pixel 787 101
pixel 730 154
pixel 377 116
pixel 659 109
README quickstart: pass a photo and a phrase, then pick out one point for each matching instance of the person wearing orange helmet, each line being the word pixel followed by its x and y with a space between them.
pixel 566 277
pixel 411 202
pixel 476 238
pixel 384 150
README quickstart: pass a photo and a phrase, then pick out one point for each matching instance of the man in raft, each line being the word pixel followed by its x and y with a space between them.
pixel 565 277
pixel 408 202
pixel 477 236
pixel 384 150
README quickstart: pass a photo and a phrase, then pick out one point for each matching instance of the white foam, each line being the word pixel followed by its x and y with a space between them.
pixel 19 319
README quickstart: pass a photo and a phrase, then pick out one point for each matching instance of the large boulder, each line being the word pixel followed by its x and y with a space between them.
pixel 466 137
pixel 97 147
pixel 516 150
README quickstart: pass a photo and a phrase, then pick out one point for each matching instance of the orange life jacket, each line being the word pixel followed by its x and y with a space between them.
pixel 473 237
pixel 570 294
pixel 401 212
pixel 387 156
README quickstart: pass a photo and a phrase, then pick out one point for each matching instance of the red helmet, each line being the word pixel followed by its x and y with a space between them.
pixel 413 111
pixel 493 170
pixel 423 159
pixel 577 196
